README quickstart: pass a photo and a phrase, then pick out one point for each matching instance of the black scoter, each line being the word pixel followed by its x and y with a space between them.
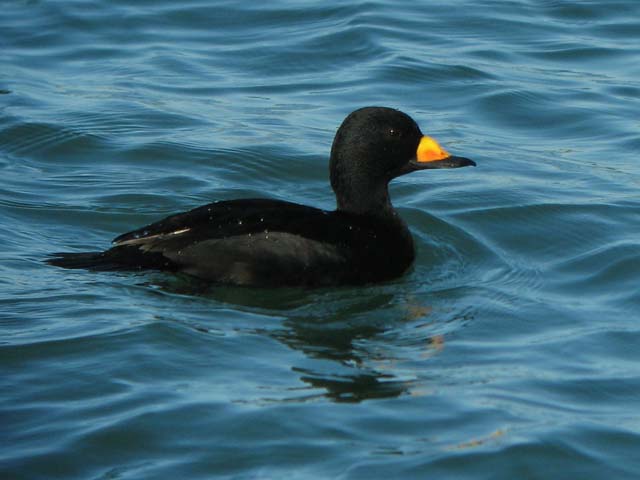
pixel 265 242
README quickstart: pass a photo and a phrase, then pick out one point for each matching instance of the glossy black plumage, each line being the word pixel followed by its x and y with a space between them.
pixel 266 242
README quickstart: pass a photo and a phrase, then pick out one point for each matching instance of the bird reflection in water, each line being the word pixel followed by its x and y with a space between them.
pixel 352 336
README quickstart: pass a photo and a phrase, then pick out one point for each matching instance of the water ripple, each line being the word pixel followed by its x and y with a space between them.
pixel 510 347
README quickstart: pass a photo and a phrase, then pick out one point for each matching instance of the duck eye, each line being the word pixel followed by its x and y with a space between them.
pixel 394 133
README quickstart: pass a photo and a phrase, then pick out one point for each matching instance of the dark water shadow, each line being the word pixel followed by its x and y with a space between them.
pixel 336 326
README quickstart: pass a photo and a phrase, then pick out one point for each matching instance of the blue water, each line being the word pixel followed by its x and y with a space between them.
pixel 509 351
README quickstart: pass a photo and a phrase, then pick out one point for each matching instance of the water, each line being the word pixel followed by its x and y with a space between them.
pixel 510 351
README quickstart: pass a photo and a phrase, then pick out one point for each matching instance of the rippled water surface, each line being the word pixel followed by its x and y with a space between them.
pixel 509 351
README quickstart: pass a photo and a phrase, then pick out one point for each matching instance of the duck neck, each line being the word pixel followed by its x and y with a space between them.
pixel 364 199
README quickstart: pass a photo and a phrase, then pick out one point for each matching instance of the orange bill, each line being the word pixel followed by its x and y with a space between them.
pixel 430 151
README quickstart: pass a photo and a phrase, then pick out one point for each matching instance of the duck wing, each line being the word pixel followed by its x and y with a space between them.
pixel 241 242
pixel 222 219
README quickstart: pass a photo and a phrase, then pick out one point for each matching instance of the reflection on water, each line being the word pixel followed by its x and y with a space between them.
pixel 356 388
pixel 351 334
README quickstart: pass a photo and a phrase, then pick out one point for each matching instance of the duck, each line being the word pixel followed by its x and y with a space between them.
pixel 263 242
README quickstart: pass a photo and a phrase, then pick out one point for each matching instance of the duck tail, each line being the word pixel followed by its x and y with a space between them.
pixel 88 260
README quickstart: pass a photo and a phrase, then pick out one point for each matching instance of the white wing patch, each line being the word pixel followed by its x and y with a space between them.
pixel 147 238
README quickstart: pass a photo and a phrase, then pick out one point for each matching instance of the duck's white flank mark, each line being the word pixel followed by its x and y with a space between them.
pixel 159 236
